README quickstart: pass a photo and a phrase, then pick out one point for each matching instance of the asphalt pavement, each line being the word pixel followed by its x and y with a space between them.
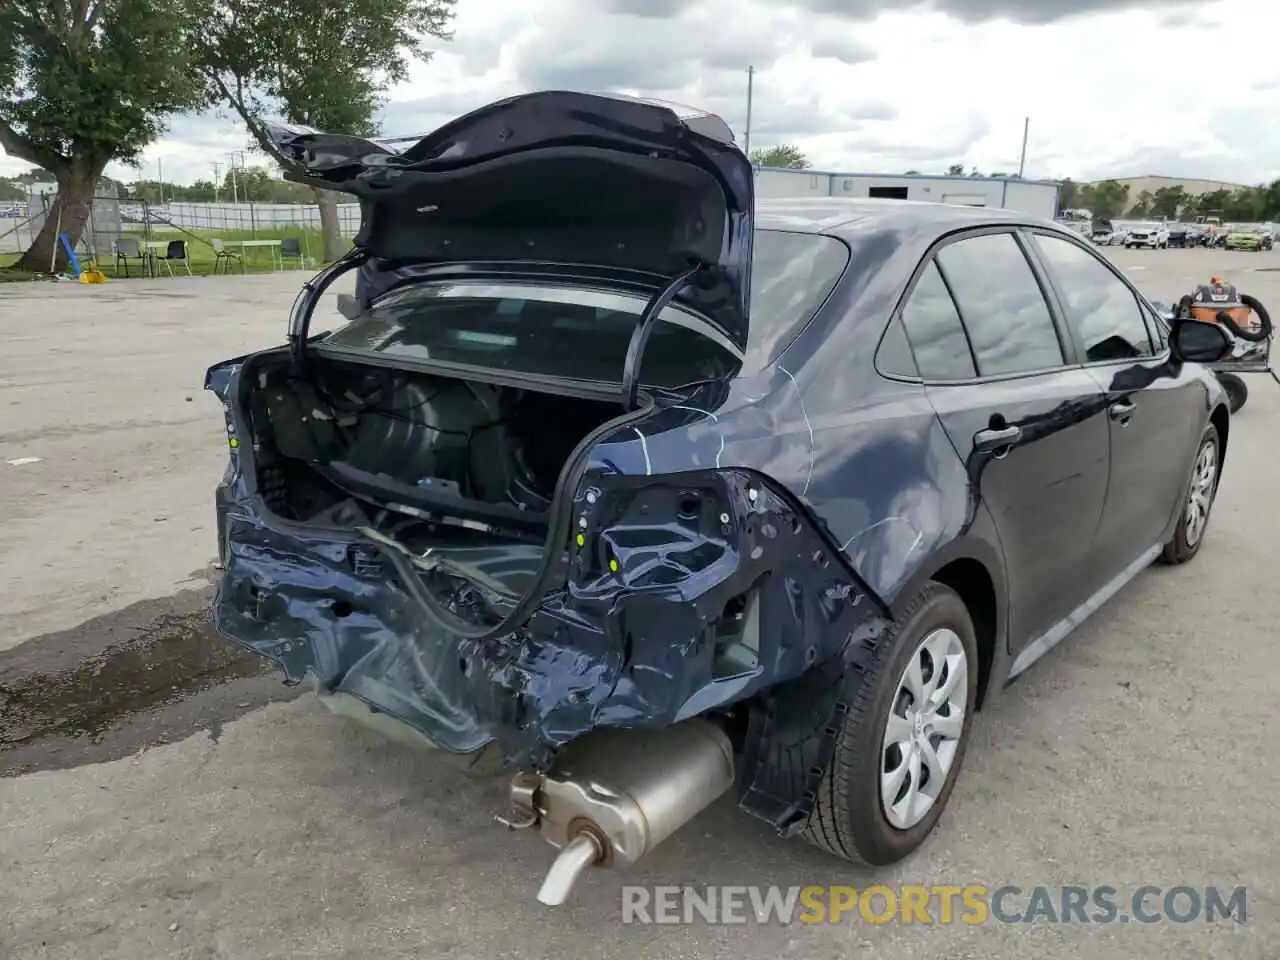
pixel 164 797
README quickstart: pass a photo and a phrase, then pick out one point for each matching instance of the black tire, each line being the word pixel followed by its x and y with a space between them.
pixel 1237 390
pixel 1180 547
pixel 848 819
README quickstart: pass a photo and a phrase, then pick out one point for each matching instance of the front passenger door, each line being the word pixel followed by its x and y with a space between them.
pixel 1156 410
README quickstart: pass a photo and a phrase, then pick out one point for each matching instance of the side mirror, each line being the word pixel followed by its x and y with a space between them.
pixel 1197 342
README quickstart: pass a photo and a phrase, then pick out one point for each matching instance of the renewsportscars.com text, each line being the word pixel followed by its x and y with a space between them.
pixel 939 904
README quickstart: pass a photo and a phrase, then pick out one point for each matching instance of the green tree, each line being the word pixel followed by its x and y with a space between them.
pixel 325 64
pixel 264 186
pixel 1068 195
pixel 955 170
pixel 1105 200
pixel 780 155
pixel 34 175
pixel 11 190
pixel 1168 202
pixel 82 83
pixel 1142 207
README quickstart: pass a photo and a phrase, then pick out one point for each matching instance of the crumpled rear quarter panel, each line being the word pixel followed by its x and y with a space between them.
pixel 327 604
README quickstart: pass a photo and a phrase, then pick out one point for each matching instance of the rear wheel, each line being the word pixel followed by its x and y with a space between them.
pixel 1201 490
pixel 903 738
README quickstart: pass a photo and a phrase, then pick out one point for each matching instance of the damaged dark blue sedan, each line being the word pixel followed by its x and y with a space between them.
pixel 650 491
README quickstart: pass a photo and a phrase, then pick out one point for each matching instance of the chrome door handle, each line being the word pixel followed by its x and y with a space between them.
pixel 995 439
pixel 1122 411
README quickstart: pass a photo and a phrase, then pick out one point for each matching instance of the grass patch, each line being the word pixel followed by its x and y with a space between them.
pixel 10 274
pixel 201 253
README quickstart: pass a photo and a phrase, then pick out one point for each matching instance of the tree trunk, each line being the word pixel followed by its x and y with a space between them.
pixel 330 228
pixel 69 213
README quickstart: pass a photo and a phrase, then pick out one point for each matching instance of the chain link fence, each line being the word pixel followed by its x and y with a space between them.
pixel 113 217
pixel 110 218
pixel 251 217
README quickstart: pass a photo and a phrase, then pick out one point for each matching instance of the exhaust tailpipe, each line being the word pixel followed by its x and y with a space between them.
pixel 613 795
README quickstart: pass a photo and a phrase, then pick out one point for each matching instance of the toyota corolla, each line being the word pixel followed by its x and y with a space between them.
pixel 651 491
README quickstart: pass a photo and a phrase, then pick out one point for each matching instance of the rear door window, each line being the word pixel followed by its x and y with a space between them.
pixel 1100 307
pixel 1000 301
pixel 935 330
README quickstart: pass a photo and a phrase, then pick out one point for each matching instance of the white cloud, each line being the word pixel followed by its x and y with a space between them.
pixel 1113 87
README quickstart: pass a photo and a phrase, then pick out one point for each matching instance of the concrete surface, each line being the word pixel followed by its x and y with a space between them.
pixel 1141 751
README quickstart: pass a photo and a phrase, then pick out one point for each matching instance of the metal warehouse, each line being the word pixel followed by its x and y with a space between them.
pixel 1035 197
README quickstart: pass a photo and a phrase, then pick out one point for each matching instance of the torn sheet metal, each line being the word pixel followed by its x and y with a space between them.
pixel 684 595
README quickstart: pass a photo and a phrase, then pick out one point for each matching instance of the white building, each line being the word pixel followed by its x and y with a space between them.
pixel 1037 198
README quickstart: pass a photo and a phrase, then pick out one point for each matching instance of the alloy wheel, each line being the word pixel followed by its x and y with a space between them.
pixel 922 735
pixel 1200 497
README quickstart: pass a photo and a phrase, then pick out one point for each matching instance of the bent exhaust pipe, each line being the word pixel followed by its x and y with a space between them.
pixel 613 795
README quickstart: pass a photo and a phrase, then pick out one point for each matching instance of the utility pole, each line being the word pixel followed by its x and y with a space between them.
pixel 746 137
pixel 235 192
pixel 1022 162
pixel 160 178
pixel 217 179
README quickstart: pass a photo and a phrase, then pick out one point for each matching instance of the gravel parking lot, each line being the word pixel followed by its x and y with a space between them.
pixel 172 800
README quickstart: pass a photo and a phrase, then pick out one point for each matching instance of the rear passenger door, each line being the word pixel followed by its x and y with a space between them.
pixel 1156 410
pixel 1029 423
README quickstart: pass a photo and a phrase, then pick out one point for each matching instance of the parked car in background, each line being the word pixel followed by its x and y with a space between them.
pixel 1150 234
pixel 1178 234
pixel 1103 232
pixel 774 493
pixel 1248 237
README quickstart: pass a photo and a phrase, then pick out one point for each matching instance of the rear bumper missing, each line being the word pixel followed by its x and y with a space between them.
pixel 336 607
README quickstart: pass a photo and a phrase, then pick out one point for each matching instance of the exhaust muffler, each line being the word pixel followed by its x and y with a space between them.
pixel 613 795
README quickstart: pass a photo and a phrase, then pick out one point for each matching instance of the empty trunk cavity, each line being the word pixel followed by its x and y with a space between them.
pixel 455 452
pixel 456 475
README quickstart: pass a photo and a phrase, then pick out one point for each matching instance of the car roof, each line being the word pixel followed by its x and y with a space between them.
pixel 849 215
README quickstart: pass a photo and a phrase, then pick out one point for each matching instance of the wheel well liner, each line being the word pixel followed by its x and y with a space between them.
pixel 1221 420
pixel 970 579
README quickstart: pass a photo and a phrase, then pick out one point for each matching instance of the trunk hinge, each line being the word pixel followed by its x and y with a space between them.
pixel 304 304
pixel 644 328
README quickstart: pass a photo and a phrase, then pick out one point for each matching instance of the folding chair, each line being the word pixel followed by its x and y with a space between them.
pixel 176 250
pixel 221 255
pixel 130 248
pixel 291 249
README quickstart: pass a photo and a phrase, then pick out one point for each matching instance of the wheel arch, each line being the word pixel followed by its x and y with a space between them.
pixel 1221 421
pixel 974 570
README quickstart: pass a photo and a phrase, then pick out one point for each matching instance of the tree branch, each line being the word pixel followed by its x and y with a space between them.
pixel 256 129
pixel 19 146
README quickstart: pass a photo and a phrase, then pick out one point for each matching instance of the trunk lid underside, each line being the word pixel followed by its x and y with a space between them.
pixel 555 177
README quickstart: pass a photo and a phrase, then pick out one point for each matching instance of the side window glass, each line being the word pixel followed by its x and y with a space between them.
pixel 1156 328
pixel 936 333
pixel 1004 310
pixel 894 356
pixel 1099 305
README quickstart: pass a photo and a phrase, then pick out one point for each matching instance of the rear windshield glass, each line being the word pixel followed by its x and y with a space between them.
pixel 566 331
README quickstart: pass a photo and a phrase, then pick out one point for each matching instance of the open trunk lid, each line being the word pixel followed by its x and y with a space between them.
pixel 642 188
